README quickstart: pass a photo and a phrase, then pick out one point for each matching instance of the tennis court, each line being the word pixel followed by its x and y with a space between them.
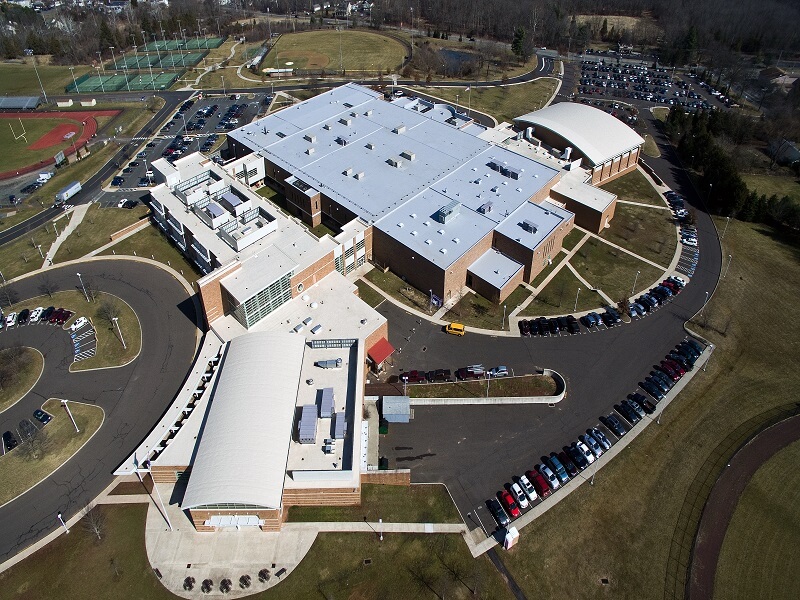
pixel 188 44
pixel 89 84
pixel 166 60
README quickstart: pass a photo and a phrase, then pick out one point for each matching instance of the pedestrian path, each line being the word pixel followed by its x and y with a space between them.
pixel 143 225
pixel 75 216
pixel 643 205
pixel 589 285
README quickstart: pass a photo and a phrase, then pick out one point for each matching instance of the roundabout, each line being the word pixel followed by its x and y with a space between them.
pixel 133 396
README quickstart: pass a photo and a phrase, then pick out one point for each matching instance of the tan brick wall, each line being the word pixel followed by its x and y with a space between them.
pixel 395 477
pixel 272 517
pixel 534 261
pixel 118 234
pixel 167 474
pixel 211 292
pixel 322 497
pixel 313 273
pixel 372 338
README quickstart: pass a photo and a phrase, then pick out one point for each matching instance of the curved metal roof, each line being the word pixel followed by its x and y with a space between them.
pixel 244 445
pixel 599 136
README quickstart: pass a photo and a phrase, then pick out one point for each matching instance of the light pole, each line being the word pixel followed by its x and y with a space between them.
pixel 224 93
pixel 83 287
pixel 39 247
pixel 65 404
pixel 503 324
pixel 380 530
pixel 100 77
pixel 74 81
pixel 39 78
pixel 704 304
pixel 100 60
pixel 730 256
pixel 633 289
pixel 724 231
pixel 456 103
pixel 575 308
pixel 113 58
pixel 122 339
pixel 61 520
pixel 125 69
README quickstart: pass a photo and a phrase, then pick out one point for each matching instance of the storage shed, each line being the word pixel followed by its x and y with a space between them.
pixel 396 409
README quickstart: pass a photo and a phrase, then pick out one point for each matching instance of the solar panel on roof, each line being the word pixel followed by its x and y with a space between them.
pixel 232 199
pixel 215 210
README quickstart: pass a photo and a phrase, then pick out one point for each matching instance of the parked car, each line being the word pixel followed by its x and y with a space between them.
pixel 64 316
pixel 555 465
pixel 455 329
pixel 500 371
pixel 36 313
pixel 569 465
pixel 627 413
pixel 572 325
pixel 413 377
pixel 46 314
pixel 117 181
pixel 647 405
pixel 494 506
pixel 592 444
pixel 519 496
pixel 634 406
pixel 656 381
pixel 614 424
pixel 663 378
pixel 509 504
pixel 471 372
pixel 584 449
pixel 41 416
pixel 524 327
pixel 697 347
pixel 11 319
pixel 577 457
pixel 599 437
pixel 24 315
pixel 9 441
pixel 552 324
pixel 439 375
pixel 651 389
pixel 528 488
pixel 539 483
pixel 544 326
pixel 79 322
pixel 549 476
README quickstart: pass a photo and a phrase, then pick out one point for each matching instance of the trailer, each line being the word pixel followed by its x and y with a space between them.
pixel 67 192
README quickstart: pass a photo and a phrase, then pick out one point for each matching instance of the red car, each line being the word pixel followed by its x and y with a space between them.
pixel 56 315
pixel 539 483
pixel 675 366
pixel 413 377
pixel 64 317
pixel 509 504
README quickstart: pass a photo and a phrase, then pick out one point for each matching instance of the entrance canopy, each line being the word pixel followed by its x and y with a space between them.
pixel 380 351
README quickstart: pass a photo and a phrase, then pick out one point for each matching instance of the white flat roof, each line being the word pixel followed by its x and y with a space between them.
pixel 495 268
pixel 546 217
pixel 585 194
pixel 599 136
pixel 243 448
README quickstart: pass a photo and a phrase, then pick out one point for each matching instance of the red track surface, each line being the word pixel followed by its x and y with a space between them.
pixel 55 136
pixel 89 129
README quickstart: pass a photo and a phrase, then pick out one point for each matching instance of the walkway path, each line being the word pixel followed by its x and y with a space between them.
pixel 588 285
pixel 722 502
pixel 77 215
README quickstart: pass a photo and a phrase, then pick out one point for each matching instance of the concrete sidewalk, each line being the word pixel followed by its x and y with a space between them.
pixel 75 216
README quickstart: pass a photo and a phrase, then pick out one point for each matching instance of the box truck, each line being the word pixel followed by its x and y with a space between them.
pixel 67 192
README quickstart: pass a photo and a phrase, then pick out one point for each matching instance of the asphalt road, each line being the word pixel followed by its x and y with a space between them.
pixel 133 397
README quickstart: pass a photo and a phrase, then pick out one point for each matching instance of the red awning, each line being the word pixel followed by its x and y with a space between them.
pixel 380 351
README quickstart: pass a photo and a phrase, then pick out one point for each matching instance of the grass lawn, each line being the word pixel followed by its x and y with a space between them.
pixel 774 184
pixel 634 187
pixel 753 370
pixel 22 255
pixel 503 103
pixel 572 239
pixel 354 50
pixel 558 297
pixel 402 291
pixel 96 228
pixel 19 155
pixel 151 244
pixel 660 113
pixel 647 232
pixel 518 387
pixel 763 531
pixel 477 311
pixel 29 365
pixel 392 503
pixel 368 295
pixel 321 230
pixel 612 270
pixel 401 566
pixel 53 445
pixel 20 79
pixel 556 260
pixel 650 148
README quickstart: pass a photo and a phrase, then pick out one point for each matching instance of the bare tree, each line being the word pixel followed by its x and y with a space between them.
pixel 624 306
pixel 33 444
pixel 91 288
pixel 8 295
pixel 48 286
pixel 108 311
pixel 95 523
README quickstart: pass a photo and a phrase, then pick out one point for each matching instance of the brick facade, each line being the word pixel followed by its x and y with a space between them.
pixel 273 518
pixel 211 292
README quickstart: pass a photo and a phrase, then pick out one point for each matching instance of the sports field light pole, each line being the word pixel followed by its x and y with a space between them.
pixel 83 287
pixel 730 256
pixel 125 69
pixel 121 339
pixel 633 289
pixel 102 87
pixel 61 520
pixel 113 58
pixel 74 81
pixel 100 60
pixel 33 56
pixel 65 404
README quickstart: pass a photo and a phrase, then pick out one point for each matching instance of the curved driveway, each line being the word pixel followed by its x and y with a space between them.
pixel 133 397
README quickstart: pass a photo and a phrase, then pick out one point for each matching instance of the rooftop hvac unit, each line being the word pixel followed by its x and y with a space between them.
pixel 309 151
pixel 345 121
pixel 485 208
pixel 529 226
pixel 399 129
pixel 370 146
pixel 341 141
pixel 347 172
pixel 395 162
pixel 326 405
pixel 359 175
pixel 408 155
pixel 340 426
pixel 310 138
pixel 448 212
pixel 307 431
pixel 327 127
pixel 368 113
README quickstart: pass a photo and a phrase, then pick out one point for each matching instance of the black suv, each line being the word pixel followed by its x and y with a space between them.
pixel 497 512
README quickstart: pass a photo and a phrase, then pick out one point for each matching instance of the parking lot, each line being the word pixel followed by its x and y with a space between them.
pixel 192 126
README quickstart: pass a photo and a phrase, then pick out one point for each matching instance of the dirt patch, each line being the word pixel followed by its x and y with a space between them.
pixel 55 136
pixel 304 59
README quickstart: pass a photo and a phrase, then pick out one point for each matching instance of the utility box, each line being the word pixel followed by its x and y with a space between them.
pixel 335 363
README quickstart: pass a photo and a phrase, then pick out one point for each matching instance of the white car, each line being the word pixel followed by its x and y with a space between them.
pixel 593 445
pixel 79 322
pixel 519 496
pixel 583 449
pixel 121 203
pixel 11 319
pixel 528 488
pixel 689 242
pixel 500 371
pixel 35 314
pixel 679 279
pixel 551 478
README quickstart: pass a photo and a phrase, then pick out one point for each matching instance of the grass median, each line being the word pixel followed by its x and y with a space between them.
pixel 23 255
pixel 21 368
pixel 49 448
pixel 634 187
pixel 561 297
pixel 753 369
pixel 401 290
pixel 648 232
pixel 504 103
pixel 392 503
pixel 96 228
pixel 476 311
pixel 369 295
pixel 523 386
pixel 763 529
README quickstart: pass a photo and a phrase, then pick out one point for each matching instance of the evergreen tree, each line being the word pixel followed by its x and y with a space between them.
pixel 518 43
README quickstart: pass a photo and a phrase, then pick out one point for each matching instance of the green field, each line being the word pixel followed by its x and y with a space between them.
pixel 774 184
pixel 401 290
pixel 401 567
pixel 96 228
pixel 764 531
pixel 28 367
pixel 648 232
pixel 330 50
pixel 622 528
pixel 503 103
pixel 476 311
pixel 22 255
pixel 18 155
pixel 634 187
pixel 368 295
pixel 20 79
pixel 558 297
